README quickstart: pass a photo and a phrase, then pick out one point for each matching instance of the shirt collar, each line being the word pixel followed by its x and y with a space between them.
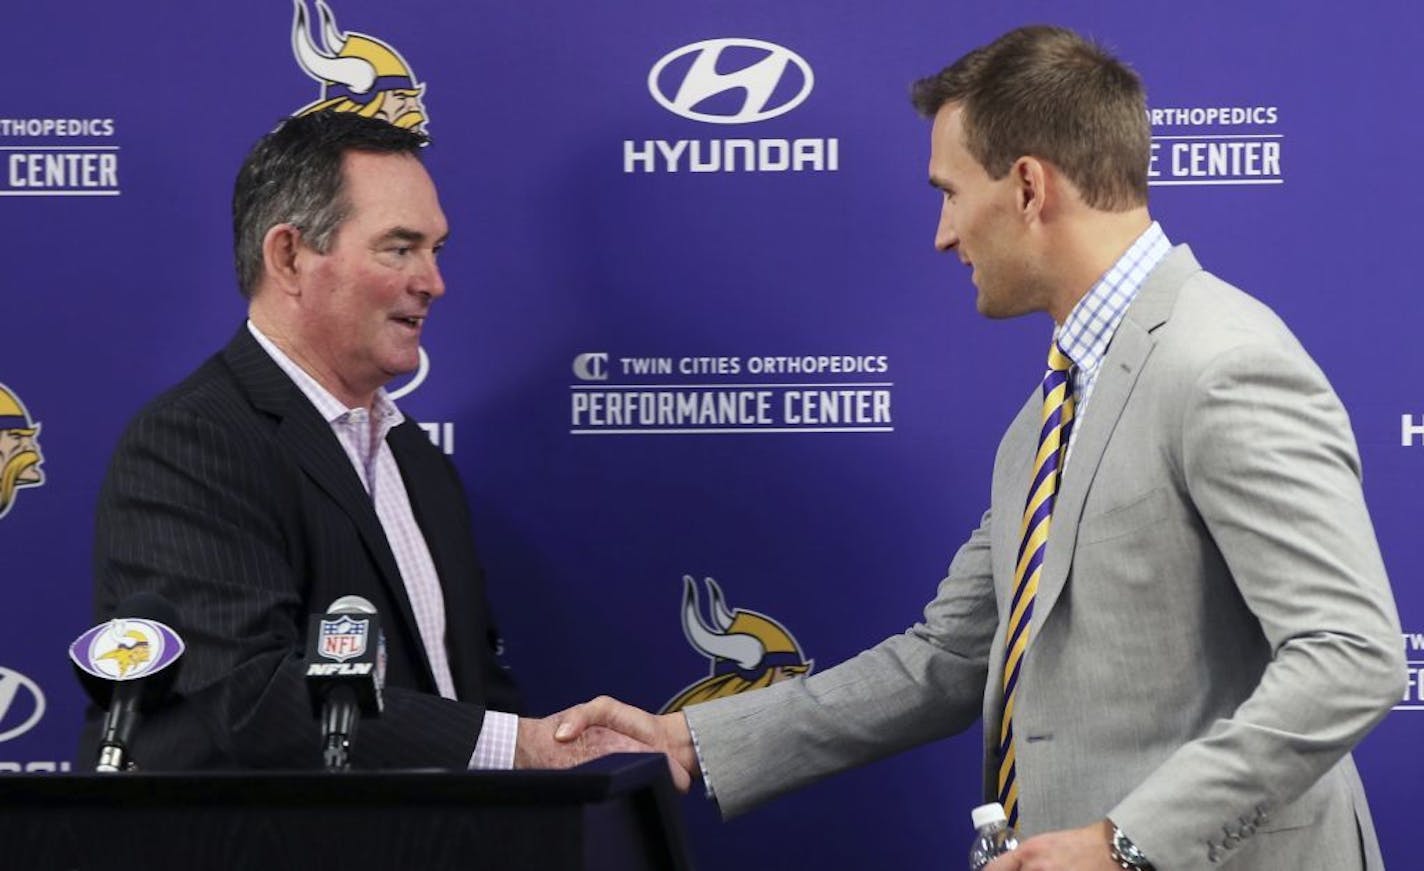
pixel 1090 326
pixel 331 409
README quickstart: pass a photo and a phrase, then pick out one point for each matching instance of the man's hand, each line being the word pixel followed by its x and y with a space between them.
pixel 667 733
pixel 536 747
pixel 1084 849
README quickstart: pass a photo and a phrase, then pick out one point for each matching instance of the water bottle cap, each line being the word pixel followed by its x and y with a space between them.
pixel 988 814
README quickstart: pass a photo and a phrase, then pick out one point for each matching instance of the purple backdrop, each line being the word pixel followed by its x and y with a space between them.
pixel 599 365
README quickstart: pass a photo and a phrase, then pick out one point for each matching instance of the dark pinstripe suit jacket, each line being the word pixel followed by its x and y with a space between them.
pixel 230 496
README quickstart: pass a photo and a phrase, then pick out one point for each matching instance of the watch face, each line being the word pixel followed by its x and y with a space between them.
pixel 1127 850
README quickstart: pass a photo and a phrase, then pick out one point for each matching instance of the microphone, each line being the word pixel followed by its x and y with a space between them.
pixel 346 664
pixel 124 667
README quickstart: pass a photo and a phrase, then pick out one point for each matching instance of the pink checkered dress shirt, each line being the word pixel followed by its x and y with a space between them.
pixel 362 433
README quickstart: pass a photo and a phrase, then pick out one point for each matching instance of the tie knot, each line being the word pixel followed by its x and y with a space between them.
pixel 1057 360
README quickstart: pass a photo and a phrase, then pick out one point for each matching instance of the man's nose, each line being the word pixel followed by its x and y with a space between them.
pixel 945 237
pixel 430 281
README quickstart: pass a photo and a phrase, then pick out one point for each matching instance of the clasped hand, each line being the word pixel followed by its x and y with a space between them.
pixel 603 726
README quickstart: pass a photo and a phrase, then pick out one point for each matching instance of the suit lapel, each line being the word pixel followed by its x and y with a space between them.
pixel 309 439
pixel 1127 355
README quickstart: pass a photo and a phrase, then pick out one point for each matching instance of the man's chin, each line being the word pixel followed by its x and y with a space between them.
pixel 403 358
pixel 990 308
pixel 399 367
pixel 398 373
pixel 997 308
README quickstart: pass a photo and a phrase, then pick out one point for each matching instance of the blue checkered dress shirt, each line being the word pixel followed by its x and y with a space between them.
pixel 1090 326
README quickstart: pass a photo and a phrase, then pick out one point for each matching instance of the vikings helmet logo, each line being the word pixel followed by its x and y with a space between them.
pixel 20 456
pixel 132 652
pixel 748 650
pixel 126 648
pixel 358 73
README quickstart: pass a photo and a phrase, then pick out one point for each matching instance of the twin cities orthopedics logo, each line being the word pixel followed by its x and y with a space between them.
pixel 1414 684
pixel 731 81
pixel 59 157
pixel 1216 145
pixel 747 650
pixel 838 393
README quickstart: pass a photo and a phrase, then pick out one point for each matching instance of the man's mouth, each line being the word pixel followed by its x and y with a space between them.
pixel 412 321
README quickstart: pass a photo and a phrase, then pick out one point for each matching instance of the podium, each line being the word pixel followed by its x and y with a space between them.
pixel 619 812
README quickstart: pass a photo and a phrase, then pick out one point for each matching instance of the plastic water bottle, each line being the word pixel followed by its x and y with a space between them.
pixel 992 835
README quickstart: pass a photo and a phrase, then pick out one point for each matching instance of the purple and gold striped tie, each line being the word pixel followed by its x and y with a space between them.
pixel 1033 535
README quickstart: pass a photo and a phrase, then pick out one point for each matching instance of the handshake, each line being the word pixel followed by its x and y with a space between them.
pixel 603 726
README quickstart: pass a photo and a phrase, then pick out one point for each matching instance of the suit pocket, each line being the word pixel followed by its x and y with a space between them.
pixel 1125 519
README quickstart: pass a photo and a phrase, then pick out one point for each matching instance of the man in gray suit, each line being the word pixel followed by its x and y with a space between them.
pixel 1189 623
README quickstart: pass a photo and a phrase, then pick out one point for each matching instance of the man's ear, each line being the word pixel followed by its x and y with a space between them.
pixel 281 257
pixel 1031 184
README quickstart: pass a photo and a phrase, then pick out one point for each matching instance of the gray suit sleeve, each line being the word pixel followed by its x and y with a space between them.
pixel 1271 466
pixel 911 688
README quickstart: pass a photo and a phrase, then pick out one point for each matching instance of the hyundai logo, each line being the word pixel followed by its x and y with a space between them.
pixel 20 699
pixel 764 84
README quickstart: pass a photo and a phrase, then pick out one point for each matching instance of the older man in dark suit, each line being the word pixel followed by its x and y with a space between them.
pixel 280 476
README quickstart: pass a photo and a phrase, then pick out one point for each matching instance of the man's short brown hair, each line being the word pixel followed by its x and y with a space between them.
pixel 294 175
pixel 1049 93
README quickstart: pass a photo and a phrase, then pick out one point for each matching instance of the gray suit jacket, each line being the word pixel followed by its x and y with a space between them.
pixel 1213 631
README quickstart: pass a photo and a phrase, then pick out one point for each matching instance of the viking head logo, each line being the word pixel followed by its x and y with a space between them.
pixel 20 457
pixel 132 651
pixel 748 650
pixel 126 648
pixel 358 73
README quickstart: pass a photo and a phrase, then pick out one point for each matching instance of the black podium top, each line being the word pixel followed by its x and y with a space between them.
pixel 619 812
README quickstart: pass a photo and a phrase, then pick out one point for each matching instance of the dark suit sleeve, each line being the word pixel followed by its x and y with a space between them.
pixel 201 508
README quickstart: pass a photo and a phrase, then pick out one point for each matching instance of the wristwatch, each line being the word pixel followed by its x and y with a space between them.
pixel 1126 853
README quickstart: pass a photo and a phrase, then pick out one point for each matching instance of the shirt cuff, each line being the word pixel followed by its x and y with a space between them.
pixel 697 749
pixel 495 747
